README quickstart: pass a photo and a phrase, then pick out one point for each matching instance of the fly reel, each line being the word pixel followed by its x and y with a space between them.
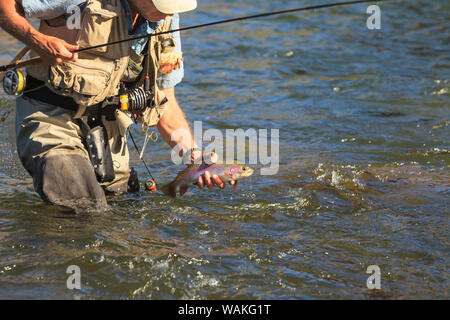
pixel 14 82
pixel 138 99
pixel 134 100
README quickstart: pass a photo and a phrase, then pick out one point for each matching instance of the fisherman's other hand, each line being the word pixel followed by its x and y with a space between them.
pixel 54 50
pixel 207 179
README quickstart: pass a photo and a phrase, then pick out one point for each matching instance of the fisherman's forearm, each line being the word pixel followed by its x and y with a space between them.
pixel 174 120
pixel 13 21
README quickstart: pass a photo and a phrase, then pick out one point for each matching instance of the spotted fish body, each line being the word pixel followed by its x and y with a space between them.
pixel 190 175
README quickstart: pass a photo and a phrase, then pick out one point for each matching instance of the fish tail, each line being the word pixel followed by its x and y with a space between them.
pixel 170 190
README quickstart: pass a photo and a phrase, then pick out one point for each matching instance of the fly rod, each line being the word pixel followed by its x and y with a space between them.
pixel 23 63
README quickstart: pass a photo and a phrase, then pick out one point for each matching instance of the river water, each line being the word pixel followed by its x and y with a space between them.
pixel 363 118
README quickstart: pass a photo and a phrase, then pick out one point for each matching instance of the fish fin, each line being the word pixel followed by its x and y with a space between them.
pixel 189 168
pixel 170 190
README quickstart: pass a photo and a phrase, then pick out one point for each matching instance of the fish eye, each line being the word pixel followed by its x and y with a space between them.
pixel 244 168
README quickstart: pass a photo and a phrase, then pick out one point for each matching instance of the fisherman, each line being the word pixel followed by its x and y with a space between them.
pixel 67 118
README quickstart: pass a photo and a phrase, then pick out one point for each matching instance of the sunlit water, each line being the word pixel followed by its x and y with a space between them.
pixel 363 179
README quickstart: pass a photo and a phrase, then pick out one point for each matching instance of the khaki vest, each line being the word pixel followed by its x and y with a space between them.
pixel 97 73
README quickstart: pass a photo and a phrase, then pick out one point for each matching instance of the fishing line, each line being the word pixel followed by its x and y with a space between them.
pixel 20 64
pixel 267 14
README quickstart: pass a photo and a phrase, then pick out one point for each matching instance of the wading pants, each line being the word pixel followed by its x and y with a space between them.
pixel 50 147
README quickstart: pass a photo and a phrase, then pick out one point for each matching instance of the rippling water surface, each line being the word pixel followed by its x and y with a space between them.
pixel 363 180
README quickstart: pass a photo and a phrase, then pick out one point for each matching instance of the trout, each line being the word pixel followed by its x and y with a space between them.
pixel 189 176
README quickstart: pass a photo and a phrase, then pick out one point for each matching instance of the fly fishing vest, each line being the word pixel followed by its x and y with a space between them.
pixel 97 73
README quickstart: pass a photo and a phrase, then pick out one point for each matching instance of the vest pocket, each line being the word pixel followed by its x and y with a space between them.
pixel 96 26
pixel 90 84
pixel 84 77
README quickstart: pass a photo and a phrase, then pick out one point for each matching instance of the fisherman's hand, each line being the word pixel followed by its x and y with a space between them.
pixel 207 179
pixel 54 50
